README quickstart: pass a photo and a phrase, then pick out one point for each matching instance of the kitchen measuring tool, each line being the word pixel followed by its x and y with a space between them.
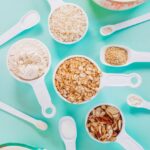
pixel 133 56
pixel 43 97
pixel 124 1
pixel 29 20
pixel 110 29
pixel 68 132
pixel 37 123
pixel 125 140
pixel 107 79
pixel 137 102
pixel 54 4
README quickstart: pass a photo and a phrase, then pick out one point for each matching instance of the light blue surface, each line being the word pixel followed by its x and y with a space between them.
pixel 21 96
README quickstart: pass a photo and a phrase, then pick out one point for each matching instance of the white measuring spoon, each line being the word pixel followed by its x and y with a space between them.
pixel 106 79
pixel 123 138
pixel 37 123
pixel 41 92
pixel 54 4
pixel 133 56
pixel 110 29
pixel 29 20
pixel 68 132
pixel 138 102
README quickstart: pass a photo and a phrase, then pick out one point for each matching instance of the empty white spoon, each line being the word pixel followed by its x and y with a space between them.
pixel 109 29
pixel 37 123
pixel 138 102
pixel 133 56
pixel 68 132
pixel 29 20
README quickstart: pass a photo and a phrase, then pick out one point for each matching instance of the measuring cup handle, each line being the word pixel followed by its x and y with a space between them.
pixel 121 80
pixel 141 57
pixel 55 3
pixel 70 145
pixel 48 109
pixel 127 142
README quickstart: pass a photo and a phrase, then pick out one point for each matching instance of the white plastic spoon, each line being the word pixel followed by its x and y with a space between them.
pixel 110 29
pixel 29 20
pixel 37 123
pixel 133 56
pixel 68 132
pixel 138 102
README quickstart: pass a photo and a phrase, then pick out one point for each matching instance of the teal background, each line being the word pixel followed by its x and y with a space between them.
pixel 21 95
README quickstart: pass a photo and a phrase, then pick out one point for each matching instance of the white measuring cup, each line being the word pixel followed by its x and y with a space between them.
pixel 39 87
pixel 68 132
pixel 125 140
pixel 54 4
pixel 140 102
pixel 106 79
pixel 29 20
pixel 110 29
pixel 133 56
pixel 39 124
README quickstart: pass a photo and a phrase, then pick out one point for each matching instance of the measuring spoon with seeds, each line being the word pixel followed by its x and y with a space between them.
pixel 132 56
pixel 121 137
pixel 55 6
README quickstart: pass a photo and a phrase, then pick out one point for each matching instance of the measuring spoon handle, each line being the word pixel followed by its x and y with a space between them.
pixel 146 105
pixel 109 80
pixel 12 32
pixel 70 145
pixel 141 57
pixel 127 142
pixel 43 97
pixel 132 22
pixel 55 3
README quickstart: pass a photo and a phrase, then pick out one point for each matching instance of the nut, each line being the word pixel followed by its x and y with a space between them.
pixel 102 124
pixel 73 81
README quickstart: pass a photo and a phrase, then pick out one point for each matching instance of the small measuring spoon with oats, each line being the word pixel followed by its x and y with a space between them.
pixel 121 56
pixel 137 102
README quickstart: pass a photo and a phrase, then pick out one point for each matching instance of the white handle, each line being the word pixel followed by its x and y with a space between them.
pixel 127 142
pixel 141 57
pixel 44 99
pixel 121 80
pixel 132 22
pixel 146 105
pixel 55 3
pixel 70 145
pixel 17 113
pixel 15 30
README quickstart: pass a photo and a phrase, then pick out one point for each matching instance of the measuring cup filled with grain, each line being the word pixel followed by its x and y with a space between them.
pixel 68 23
pixel 29 61
pixel 78 79
pixel 105 123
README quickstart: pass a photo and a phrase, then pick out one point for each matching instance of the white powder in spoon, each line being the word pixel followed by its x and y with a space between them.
pixel 134 100
pixel 28 59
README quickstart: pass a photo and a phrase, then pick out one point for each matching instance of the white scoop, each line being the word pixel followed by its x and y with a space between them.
pixel 109 29
pixel 123 138
pixel 68 132
pixel 37 123
pixel 133 56
pixel 29 20
pixel 138 102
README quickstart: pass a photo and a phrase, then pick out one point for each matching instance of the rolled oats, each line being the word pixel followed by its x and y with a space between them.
pixel 102 125
pixel 68 23
pixel 77 79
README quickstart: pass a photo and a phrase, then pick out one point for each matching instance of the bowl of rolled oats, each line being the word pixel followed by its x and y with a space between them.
pixel 77 79
pixel 68 23
pixel 105 123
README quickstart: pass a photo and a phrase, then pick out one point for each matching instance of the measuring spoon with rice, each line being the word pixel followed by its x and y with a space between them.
pixel 121 56
pixel 137 102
